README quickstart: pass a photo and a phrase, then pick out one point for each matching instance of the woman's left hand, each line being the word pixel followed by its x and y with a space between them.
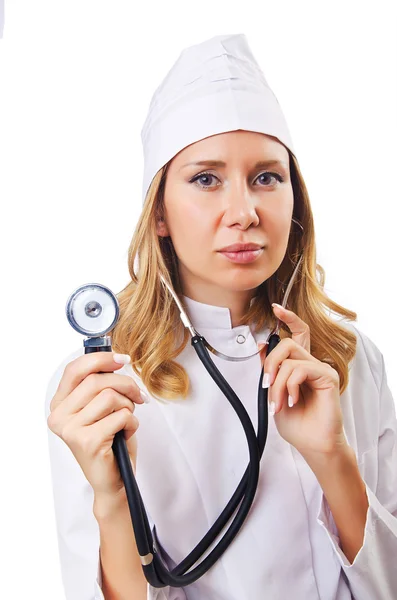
pixel 314 424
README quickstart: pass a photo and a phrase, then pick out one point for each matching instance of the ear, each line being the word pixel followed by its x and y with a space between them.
pixel 161 228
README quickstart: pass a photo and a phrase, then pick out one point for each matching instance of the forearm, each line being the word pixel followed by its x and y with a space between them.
pixel 122 575
pixel 344 490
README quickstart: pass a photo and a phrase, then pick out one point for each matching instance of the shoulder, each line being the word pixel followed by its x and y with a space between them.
pixel 361 401
pixel 368 360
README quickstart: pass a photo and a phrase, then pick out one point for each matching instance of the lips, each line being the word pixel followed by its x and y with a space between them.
pixel 239 247
pixel 243 256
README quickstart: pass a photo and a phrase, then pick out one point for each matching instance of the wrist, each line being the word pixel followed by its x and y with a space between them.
pixel 108 505
pixel 327 463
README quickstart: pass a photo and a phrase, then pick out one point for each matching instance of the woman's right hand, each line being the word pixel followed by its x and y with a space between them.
pixel 88 409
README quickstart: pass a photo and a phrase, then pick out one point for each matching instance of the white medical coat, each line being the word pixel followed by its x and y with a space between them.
pixel 191 457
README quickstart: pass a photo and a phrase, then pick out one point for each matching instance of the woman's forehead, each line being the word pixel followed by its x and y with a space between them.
pixel 245 145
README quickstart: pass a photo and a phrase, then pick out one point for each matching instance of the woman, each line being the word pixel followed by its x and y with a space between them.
pixel 220 170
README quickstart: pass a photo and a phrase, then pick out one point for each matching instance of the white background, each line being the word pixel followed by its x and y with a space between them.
pixel 76 79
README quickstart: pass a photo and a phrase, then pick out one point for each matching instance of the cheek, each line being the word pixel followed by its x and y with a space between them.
pixel 190 229
pixel 279 214
pixel 278 226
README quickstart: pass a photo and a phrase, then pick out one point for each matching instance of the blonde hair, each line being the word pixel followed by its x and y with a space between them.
pixel 149 328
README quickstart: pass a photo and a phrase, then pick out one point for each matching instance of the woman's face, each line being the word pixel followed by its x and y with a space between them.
pixel 210 206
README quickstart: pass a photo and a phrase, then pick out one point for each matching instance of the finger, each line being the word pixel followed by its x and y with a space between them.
pixel 120 420
pixel 299 329
pixel 96 434
pixel 79 368
pixel 105 403
pixel 286 348
pixel 93 385
pixel 279 390
pixel 293 374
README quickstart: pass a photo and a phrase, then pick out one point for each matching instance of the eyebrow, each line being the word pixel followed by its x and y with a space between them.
pixel 262 164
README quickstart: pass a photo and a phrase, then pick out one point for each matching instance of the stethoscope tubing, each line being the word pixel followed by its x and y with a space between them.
pixel 238 494
pixel 156 572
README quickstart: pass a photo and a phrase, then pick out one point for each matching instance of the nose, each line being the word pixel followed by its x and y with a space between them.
pixel 240 205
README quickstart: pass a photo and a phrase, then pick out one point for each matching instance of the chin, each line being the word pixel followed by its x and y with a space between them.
pixel 240 283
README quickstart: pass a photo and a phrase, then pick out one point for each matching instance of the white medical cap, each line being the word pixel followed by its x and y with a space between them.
pixel 214 87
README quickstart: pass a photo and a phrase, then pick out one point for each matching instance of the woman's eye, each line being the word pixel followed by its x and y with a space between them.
pixel 272 176
pixel 204 179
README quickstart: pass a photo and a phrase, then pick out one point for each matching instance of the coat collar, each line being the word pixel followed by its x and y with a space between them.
pixel 208 316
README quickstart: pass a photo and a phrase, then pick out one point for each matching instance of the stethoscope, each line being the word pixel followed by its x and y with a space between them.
pixel 93 310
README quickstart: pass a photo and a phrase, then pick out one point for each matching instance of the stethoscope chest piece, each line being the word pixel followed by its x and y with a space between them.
pixel 92 310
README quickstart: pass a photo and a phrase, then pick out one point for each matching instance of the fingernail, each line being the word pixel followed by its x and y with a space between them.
pixel 266 380
pixel 290 401
pixel 277 305
pixel 121 359
pixel 144 397
pixel 272 408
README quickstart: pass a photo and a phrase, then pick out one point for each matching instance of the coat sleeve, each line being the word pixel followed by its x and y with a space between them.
pixel 373 573
pixel 76 527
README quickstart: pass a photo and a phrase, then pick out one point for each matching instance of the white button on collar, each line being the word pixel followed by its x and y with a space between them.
pixel 240 339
